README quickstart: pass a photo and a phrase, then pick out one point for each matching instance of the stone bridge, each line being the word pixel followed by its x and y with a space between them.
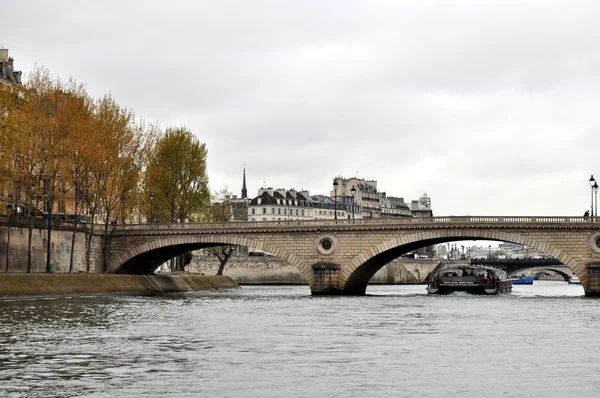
pixel 340 256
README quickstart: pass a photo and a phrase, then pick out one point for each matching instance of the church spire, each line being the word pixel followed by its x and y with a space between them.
pixel 244 190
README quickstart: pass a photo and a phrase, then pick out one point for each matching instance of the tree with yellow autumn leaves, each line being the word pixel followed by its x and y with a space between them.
pixel 67 156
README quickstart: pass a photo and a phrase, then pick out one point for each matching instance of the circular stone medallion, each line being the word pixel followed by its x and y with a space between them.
pixel 594 242
pixel 326 244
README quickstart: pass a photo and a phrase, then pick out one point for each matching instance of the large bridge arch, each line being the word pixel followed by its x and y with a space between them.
pixel 356 274
pixel 145 258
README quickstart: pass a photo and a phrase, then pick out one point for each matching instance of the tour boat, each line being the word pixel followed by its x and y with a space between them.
pixel 476 280
pixel 524 280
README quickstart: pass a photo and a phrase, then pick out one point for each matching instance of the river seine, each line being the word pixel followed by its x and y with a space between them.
pixel 278 341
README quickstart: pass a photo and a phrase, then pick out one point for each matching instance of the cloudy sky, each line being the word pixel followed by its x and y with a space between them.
pixel 491 107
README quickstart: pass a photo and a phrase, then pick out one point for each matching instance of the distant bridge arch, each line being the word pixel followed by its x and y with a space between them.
pixel 536 270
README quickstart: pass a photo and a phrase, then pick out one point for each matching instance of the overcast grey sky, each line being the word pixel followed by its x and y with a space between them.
pixel 491 107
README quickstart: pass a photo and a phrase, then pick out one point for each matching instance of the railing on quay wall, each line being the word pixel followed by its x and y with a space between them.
pixel 24 222
pixel 447 220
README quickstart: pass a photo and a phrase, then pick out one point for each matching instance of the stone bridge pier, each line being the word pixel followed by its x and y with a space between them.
pixel 339 257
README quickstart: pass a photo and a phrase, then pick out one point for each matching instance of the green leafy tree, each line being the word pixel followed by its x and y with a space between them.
pixel 176 177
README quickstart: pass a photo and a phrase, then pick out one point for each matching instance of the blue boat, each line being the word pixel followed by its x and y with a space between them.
pixel 524 280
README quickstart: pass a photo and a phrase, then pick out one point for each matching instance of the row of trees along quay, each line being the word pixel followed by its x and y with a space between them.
pixel 92 160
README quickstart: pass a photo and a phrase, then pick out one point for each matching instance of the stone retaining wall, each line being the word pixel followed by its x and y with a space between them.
pixel 61 250
pixel 272 270
pixel 48 285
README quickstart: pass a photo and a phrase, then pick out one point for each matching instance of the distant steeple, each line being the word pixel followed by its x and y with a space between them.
pixel 244 190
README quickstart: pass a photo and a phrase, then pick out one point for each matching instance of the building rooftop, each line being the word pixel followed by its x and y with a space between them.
pixel 7 70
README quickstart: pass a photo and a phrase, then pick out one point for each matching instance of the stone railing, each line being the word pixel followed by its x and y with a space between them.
pixel 343 223
pixel 449 220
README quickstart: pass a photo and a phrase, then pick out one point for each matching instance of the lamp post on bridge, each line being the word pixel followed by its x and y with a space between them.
pixel 335 185
pixel 353 192
pixel 489 252
pixel 595 188
pixel 592 182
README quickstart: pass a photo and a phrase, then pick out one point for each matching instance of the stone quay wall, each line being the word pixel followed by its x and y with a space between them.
pixel 272 270
pixel 60 249
pixel 52 285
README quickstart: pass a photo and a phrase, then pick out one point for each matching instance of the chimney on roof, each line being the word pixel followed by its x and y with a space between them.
pixel 3 54
pixel 11 62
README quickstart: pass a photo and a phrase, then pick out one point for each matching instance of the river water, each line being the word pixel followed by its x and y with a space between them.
pixel 278 341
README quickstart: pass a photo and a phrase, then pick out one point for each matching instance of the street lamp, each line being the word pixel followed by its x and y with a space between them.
pixel 151 208
pixel 592 182
pixel 489 252
pixel 353 192
pixel 595 187
pixel 335 185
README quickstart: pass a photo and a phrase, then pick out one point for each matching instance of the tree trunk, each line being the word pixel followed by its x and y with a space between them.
pixel 88 250
pixel 49 244
pixel 73 246
pixel 8 241
pixel 106 242
pixel 30 237
pixel 222 264
pixel 227 251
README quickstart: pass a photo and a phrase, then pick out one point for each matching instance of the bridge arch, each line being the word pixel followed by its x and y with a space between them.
pixel 532 270
pixel 147 257
pixel 364 265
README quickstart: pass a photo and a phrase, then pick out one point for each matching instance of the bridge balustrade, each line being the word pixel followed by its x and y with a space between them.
pixel 365 221
pixel 475 220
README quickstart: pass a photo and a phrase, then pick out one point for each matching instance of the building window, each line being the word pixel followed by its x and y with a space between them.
pixel 273 210
pixel 253 212
pixel 285 212
pixel 279 211
pixel 296 211
pixel 61 206
pixel 264 210
pixel 302 211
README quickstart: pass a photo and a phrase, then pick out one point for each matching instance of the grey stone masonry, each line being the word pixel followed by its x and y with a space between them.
pixel 358 248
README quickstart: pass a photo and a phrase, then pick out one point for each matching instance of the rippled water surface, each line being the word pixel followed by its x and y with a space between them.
pixel 540 341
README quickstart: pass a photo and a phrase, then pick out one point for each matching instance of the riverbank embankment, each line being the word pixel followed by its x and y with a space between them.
pixel 51 285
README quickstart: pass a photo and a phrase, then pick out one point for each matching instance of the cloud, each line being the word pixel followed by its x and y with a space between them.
pixel 490 107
